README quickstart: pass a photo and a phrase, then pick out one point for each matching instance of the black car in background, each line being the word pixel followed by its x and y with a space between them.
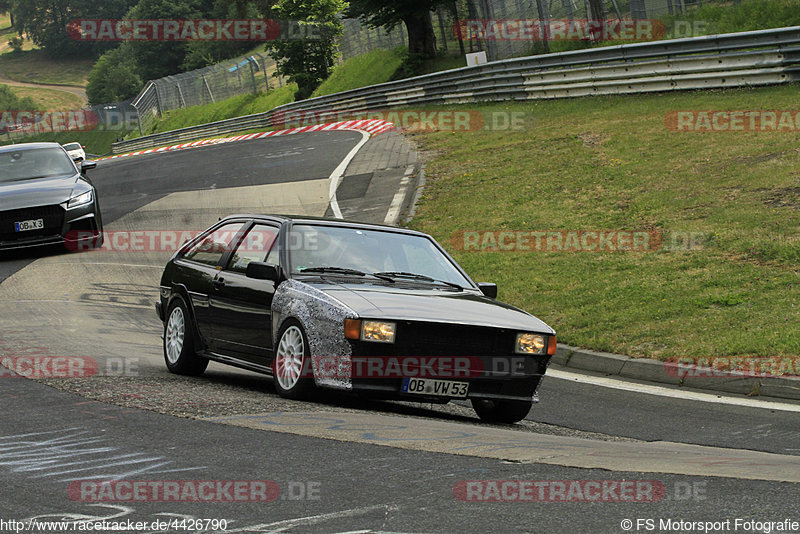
pixel 372 309
pixel 45 199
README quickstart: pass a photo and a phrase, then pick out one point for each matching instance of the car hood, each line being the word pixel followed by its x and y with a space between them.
pixel 429 305
pixel 38 192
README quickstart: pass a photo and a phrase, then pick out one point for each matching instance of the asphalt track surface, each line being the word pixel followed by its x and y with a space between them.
pixel 342 464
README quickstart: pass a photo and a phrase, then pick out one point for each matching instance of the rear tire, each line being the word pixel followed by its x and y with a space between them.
pixel 179 352
pixel 501 411
pixel 291 366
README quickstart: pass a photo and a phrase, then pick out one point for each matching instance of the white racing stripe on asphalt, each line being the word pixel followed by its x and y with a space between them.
pixel 397 202
pixel 661 391
pixel 336 176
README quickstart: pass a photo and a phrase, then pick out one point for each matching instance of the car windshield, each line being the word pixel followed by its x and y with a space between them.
pixel 34 163
pixel 393 255
pixel 72 146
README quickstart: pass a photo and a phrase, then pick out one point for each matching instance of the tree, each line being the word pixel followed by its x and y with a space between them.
pixel 113 77
pixel 161 58
pixel 200 54
pixel 308 61
pixel 415 14
pixel 45 22
pixel 7 6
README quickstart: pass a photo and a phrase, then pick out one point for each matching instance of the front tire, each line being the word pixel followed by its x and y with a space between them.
pixel 501 411
pixel 291 366
pixel 179 351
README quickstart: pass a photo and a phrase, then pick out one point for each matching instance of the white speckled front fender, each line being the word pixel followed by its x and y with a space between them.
pixel 322 318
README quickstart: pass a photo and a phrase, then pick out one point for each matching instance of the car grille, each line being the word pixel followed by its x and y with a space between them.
pixel 53 222
pixel 437 339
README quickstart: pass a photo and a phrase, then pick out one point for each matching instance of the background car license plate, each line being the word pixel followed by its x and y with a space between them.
pixel 429 386
pixel 24 226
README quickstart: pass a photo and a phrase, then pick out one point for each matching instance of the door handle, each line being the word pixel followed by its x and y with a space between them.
pixel 218 284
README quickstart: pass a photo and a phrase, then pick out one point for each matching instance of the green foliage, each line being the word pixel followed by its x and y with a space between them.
pixel 415 14
pixel 390 13
pixel 113 77
pixel 45 22
pixel 16 43
pixel 10 101
pixel 747 15
pixel 410 65
pixel 373 67
pixel 308 61
pixel 158 59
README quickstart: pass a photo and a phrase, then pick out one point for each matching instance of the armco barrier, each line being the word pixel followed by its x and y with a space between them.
pixel 764 57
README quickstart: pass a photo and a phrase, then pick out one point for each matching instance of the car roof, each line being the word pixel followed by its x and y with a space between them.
pixel 27 146
pixel 300 219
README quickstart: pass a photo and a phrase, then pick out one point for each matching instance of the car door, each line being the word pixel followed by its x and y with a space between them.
pixel 197 268
pixel 241 306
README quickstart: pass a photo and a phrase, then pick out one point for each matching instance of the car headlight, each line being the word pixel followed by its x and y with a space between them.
pixel 80 200
pixel 531 344
pixel 377 331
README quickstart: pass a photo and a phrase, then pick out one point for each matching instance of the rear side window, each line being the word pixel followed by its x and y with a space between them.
pixel 210 249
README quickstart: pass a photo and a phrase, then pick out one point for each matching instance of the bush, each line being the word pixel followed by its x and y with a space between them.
pixel 113 77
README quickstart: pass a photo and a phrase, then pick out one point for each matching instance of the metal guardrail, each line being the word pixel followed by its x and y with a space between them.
pixel 764 57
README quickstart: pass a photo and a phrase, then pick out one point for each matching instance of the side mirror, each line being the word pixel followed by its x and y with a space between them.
pixel 86 165
pixel 258 270
pixel 490 290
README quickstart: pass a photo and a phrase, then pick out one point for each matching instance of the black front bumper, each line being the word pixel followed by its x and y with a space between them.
pixel 77 229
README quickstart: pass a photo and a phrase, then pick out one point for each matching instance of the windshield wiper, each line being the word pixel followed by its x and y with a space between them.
pixel 337 270
pixel 415 276
pixel 343 270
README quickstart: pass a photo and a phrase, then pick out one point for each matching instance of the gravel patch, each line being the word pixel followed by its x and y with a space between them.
pixel 222 396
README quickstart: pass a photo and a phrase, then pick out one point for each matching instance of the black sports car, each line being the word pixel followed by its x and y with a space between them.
pixel 334 304
pixel 45 199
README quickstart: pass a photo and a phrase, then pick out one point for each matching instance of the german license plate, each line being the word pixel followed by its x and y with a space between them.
pixel 33 224
pixel 440 388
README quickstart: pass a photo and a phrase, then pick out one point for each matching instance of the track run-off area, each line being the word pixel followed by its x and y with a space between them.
pixel 342 464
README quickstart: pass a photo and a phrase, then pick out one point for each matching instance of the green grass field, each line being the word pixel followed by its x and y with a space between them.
pixel 611 163
pixel 34 67
pixel 49 99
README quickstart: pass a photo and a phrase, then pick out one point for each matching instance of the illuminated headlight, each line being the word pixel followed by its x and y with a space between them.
pixel 531 344
pixel 377 331
pixel 80 200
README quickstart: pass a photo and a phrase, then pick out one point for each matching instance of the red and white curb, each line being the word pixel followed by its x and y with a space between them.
pixel 371 127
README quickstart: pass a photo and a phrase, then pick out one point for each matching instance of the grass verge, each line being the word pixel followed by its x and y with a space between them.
pixel 610 163
pixel 226 109
pixel 372 68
